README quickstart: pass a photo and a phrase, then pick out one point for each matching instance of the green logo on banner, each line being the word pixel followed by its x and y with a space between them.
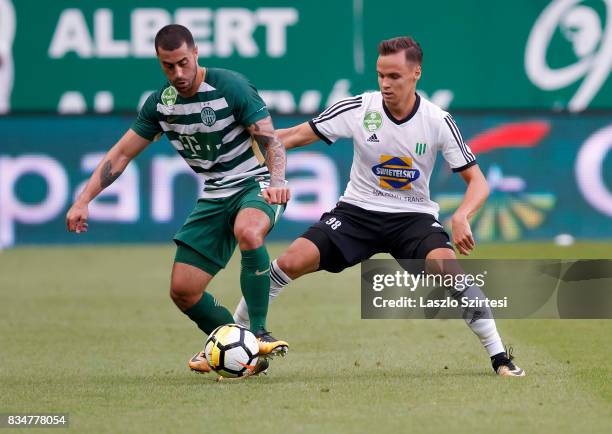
pixel 421 148
pixel 372 121
pixel 168 96
pixel 208 116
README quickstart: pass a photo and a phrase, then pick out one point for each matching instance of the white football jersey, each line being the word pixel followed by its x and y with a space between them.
pixel 393 159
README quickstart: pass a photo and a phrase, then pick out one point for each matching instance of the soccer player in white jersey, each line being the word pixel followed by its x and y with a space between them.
pixel 386 206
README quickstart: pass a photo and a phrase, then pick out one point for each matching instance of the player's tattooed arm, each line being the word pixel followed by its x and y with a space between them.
pixel 107 177
pixel 276 160
pixel 110 168
pixel 113 164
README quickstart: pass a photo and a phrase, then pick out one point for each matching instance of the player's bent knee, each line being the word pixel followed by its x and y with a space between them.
pixel 296 264
pixel 178 292
pixel 441 253
pixel 183 298
pixel 184 293
pixel 249 238
pixel 289 264
pixel 176 295
pixel 442 260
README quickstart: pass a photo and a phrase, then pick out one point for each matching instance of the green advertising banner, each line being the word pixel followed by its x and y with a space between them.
pixel 549 176
pixel 97 56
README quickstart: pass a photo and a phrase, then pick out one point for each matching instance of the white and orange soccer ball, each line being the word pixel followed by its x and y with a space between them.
pixel 231 350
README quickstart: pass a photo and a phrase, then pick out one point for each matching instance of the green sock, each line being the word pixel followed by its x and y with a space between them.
pixel 208 314
pixel 255 285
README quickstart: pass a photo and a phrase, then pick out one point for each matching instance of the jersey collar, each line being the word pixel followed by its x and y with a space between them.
pixel 417 102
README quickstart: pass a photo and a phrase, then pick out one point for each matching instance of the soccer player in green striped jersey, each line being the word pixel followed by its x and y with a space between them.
pixel 217 122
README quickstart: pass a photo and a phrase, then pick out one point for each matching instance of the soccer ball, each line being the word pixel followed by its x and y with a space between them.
pixel 231 350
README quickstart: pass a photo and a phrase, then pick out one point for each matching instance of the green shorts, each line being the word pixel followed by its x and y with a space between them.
pixel 207 239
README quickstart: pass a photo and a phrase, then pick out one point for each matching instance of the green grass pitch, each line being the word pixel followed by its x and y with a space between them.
pixel 91 331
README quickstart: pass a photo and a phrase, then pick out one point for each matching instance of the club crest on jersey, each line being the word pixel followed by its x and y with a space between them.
pixel 168 96
pixel 396 173
pixel 372 120
pixel 208 116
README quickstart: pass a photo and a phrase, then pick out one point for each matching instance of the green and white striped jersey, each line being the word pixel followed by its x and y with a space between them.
pixel 209 129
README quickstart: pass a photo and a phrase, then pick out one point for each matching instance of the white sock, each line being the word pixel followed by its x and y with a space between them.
pixel 486 331
pixel 278 280
pixel 484 328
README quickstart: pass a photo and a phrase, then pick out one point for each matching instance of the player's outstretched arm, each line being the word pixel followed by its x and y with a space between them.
pixel 109 169
pixel 475 195
pixel 300 135
pixel 276 159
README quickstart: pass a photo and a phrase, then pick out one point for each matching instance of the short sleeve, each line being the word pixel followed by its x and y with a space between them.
pixel 455 151
pixel 146 124
pixel 337 121
pixel 248 107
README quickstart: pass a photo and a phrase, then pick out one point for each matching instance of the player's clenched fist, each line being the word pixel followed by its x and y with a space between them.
pixel 76 218
pixel 276 195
